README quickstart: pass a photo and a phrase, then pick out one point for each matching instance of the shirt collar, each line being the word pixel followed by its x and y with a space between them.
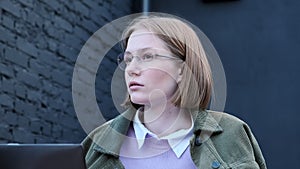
pixel 178 140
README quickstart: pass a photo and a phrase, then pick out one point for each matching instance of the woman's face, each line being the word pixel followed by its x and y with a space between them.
pixel 155 80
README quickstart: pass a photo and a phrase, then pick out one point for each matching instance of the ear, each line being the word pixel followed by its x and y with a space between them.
pixel 179 75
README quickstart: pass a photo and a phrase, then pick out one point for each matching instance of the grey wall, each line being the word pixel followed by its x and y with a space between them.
pixel 39 44
pixel 258 43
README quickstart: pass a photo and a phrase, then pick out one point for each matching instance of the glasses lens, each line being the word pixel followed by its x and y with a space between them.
pixel 121 63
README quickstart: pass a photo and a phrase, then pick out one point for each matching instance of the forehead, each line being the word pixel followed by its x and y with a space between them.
pixel 141 39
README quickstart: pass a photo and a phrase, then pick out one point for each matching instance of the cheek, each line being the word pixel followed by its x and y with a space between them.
pixel 161 80
pixel 126 78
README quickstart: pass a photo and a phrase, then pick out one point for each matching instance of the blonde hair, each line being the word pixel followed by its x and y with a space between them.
pixel 194 90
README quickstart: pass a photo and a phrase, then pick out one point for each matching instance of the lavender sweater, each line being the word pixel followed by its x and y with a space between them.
pixel 154 154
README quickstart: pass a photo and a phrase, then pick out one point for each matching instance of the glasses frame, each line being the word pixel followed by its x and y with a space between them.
pixel 122 65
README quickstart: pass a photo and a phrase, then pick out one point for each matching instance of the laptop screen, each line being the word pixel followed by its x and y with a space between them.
pixel 41 156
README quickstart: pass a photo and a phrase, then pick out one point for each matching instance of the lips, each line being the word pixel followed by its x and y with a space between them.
pixel 134 85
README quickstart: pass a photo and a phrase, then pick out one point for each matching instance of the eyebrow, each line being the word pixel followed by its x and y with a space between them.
pixel 140 50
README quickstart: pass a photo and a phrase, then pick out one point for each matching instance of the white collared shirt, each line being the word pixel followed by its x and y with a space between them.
pixel 178 140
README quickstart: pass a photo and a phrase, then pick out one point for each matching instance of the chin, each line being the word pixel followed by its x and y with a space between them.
pixel 139 100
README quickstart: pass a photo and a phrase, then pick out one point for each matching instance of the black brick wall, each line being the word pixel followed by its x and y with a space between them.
pixel 39 43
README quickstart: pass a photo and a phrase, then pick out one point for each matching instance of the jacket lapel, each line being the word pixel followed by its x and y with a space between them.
pixel 110 137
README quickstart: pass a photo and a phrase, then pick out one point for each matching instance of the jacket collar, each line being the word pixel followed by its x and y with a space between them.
pixel 204 121
pixel 109 137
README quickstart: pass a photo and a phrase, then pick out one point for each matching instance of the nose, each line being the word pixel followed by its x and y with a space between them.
pixel 133 69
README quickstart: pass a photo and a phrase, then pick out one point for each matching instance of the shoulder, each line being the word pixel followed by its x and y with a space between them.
pixel 110 132
pixel 118 124
pixel 228 122
pixel 233 128
pixel 236 141
pixel 89 142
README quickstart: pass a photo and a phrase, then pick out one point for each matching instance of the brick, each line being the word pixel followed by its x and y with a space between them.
pixel 54 4
pixel 20 106
pixel 14 56
pixel 26 47
pixel 11 118
pixel 52 45
pixel 20 90
pixel 40 41
pixel 22 135
pixel 34 18
pixel 81 8
pixel 122 4
pixel 90 26
pixel 20 28
pixel 10 7
pixel 68 53
pixel 91 4
pixel 71 41
pixel 47 58
pixel 81 33
pixel 5 133
pixel 25 108
pixel 4 141
pixel 39 69
pixel 6 100
pixel 23 121
pixel 2 46
pixel 41 139
pixel 28 79
pixel 67 134
pixel 8 86
pixel 106 14
pixel 61 78
pixel 7 36
pixel 72 17
pixel 66 95
pixel 34 96
pixel 48 115
pixel 59 22
pixel 36 126
pixel 49 88
pixel 66 67
pixel 55 33
pixel 121 9
pixel 46 129
pixel 6 71
pixel 97 18
pixel 28 3
pixel 55 104
pixel 8 22
pixel 41 10
pixel 57 131
pixel 68 121
pixel 73 135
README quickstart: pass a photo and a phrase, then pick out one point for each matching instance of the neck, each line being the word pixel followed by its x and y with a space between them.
pixel 166 119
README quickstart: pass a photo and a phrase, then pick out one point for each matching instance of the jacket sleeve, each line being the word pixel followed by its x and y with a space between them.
pixel 256 149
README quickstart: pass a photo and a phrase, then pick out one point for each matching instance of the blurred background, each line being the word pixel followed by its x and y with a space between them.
pixel 257 41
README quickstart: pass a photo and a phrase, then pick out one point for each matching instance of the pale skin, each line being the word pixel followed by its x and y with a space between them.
pixel 153 84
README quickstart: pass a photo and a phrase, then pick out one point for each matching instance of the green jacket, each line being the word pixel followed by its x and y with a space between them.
pixel 219 141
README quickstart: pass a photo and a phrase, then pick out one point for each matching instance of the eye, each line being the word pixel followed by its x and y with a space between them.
pixel 128 58
pixel 147 57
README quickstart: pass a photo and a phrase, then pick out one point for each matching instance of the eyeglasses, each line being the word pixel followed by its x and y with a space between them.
pixel 124 59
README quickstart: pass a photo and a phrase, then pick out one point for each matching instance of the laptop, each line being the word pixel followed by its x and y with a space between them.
pixel 41 156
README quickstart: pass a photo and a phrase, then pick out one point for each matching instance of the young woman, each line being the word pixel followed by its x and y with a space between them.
pixel 167 124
